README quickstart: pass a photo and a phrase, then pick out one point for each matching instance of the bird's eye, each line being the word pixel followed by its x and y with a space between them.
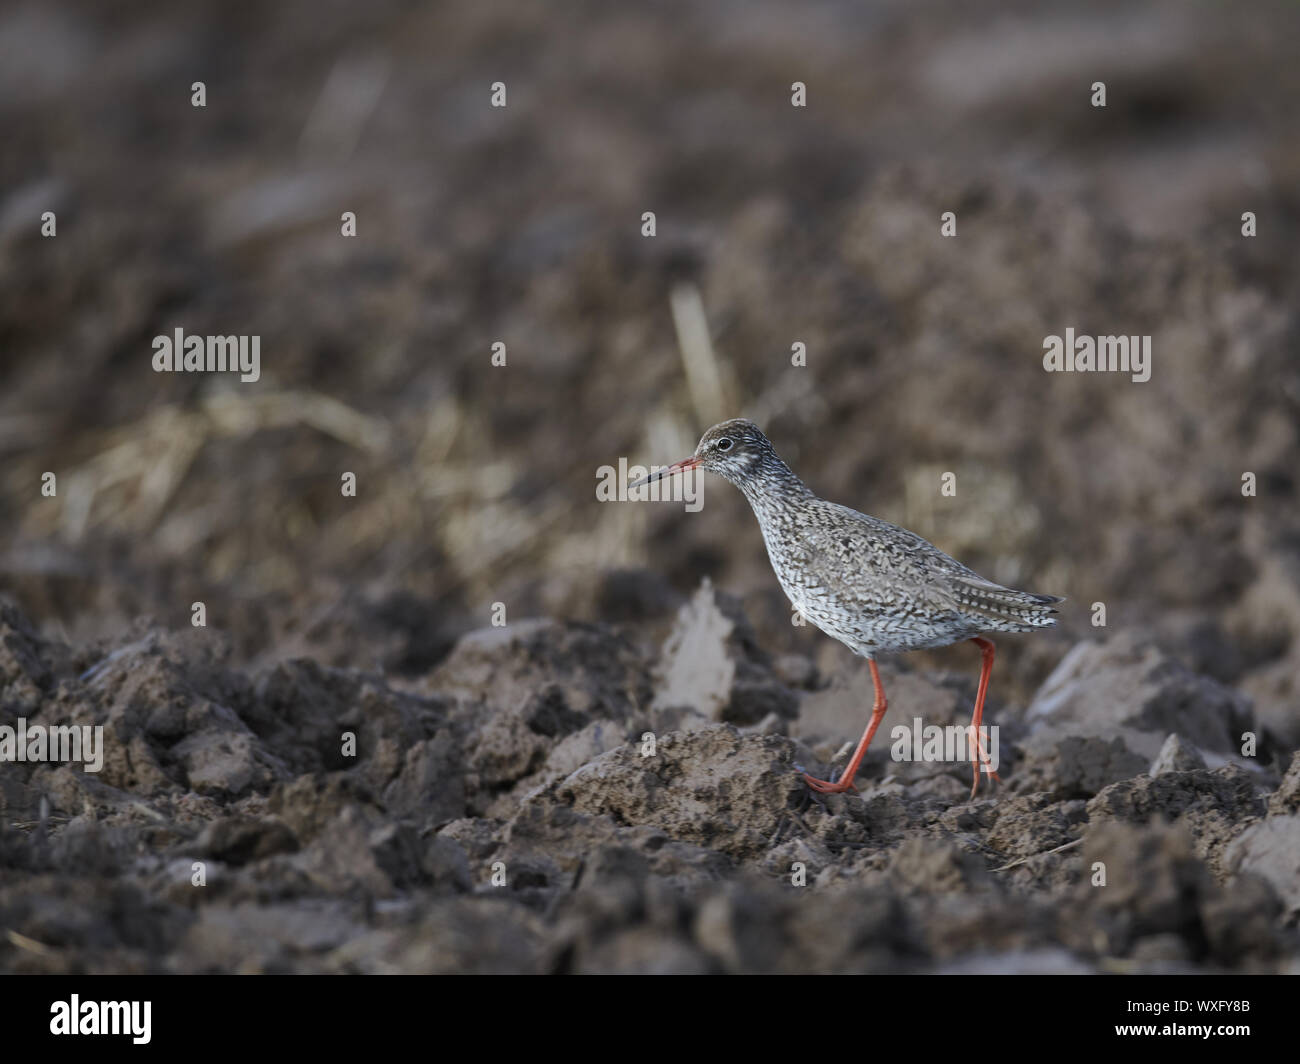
pixel 725 444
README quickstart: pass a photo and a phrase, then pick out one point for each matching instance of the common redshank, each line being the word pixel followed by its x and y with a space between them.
pixel 877 588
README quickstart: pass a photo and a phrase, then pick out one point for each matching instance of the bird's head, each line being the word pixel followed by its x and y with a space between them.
pixel 733 449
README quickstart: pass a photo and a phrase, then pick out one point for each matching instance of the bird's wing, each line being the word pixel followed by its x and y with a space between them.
pixel 898 562
pixel 862 556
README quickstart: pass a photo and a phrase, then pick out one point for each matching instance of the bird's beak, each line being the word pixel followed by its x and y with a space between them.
pixel 676 467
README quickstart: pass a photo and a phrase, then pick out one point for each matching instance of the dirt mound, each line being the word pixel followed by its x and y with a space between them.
pixel 520 812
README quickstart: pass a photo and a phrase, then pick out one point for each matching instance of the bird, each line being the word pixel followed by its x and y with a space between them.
pixel 876 587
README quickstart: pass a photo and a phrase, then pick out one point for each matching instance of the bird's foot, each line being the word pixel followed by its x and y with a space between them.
pixel 975 786
pixel 981 761
pixel 829 786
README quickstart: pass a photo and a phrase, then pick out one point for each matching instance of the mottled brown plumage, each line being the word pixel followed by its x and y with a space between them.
pixel 875 587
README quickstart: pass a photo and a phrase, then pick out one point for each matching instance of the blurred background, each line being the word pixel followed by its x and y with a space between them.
pixel 775 225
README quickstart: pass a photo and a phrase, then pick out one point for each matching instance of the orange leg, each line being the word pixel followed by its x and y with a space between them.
pixel 845 782
pixel 986 669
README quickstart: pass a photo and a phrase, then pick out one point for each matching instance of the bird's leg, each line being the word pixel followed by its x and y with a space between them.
pixel 986 669
pixel 845 781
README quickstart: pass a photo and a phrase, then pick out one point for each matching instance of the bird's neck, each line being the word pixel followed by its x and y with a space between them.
pixel 773 488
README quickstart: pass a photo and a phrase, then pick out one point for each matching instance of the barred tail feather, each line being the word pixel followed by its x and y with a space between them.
pixel 1000 608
